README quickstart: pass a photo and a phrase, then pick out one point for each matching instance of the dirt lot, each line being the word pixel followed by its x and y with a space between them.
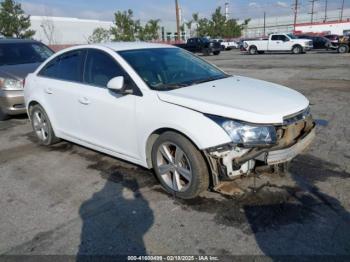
pixel 69 200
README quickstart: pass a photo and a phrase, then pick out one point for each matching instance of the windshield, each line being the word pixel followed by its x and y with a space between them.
pixel 170 68
pixel 291 36
pixel 23 53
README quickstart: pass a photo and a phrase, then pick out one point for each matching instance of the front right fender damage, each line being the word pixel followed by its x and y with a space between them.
pixel 229 162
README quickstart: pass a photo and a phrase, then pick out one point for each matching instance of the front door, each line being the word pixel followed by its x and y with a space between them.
pixel 107 118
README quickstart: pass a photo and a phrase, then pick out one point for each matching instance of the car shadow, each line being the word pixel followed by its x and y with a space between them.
pixel 307 221
pixel 114 221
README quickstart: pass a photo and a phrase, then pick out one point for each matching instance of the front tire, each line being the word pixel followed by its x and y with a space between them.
pixel 42 126
pixel 179 166
pixel 216 52
pixel 342 49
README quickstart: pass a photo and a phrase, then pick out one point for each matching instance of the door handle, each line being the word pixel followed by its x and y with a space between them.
pixel 84 101
pixel 48 90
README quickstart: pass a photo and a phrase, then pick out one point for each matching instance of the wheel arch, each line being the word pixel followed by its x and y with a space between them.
pixel 152 138
pixel 253 46
pixel 30 105
pixel 34 102
pixel 297 45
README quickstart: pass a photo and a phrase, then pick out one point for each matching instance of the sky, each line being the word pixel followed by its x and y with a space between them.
pixel 165 9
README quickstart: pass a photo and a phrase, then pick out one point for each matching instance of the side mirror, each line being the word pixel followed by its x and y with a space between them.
pixel 116 84
pixel 286 40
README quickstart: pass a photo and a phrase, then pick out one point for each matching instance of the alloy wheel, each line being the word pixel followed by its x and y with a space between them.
pixel 174 167
pixel 40 125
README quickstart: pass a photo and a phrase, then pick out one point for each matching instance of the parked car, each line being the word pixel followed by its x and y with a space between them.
pixel 319 42
pixel 164 108
pixel 226 45
pixel 17 59
pixel 344 44
pixel 201 45
pixel 278 43
pixel 334 39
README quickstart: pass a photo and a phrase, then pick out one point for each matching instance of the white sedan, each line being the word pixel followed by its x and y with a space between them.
pixel 164 108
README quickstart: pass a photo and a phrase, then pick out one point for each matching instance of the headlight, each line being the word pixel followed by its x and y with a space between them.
pixel 10 84
pixel 248 135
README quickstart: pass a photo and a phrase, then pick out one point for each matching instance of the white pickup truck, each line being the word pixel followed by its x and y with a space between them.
pixel 278 43
pixel 226 44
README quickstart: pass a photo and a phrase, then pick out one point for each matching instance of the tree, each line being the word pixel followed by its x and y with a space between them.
pixel 13 21
pixel 100 35
pixel 49 30
pixel 218 25
pixel 125 28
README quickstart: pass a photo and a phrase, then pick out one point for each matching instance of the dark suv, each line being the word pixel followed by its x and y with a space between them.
pixel 319 42
pixel 18 58
pixel 201 45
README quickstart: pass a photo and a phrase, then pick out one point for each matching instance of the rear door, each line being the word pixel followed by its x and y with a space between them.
pixel 61 83
pixel 279 43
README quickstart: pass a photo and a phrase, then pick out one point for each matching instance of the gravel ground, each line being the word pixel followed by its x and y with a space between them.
pixel 68 200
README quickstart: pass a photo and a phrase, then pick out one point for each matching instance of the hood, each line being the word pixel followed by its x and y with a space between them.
pixel 18 72
pixel 301 40
pixel 240 98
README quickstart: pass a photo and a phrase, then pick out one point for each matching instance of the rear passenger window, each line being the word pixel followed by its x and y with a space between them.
pixel 68 67
pixel 71 66
pixel 100 68
pixel 51 69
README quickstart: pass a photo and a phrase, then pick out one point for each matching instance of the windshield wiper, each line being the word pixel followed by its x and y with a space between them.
pixel 167 87
pixel 208 79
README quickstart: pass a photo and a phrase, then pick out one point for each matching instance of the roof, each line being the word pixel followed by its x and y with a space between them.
pixel 16 40
pixel 121 46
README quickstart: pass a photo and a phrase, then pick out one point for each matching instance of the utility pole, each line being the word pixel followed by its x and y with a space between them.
pixel 295 13
pixel 342 11
pixel 312 10
pixel 177 19
pixel 264 23
pixel 227 14
pixel 325 11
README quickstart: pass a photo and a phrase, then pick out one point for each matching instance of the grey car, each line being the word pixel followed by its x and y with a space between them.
pixel 18 58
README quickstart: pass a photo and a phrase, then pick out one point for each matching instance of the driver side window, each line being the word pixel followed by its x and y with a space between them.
pixel 100 68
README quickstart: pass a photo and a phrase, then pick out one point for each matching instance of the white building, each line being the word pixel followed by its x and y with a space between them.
pixel 285 24
pixel 68 31
pixel 64 30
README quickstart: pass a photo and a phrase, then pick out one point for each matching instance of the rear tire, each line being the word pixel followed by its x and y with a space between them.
pixel 179 166
pixel 253 50
pixel 42 126
pixel 216 52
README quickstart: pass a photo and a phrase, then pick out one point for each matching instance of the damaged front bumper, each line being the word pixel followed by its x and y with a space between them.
pixel 230 161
